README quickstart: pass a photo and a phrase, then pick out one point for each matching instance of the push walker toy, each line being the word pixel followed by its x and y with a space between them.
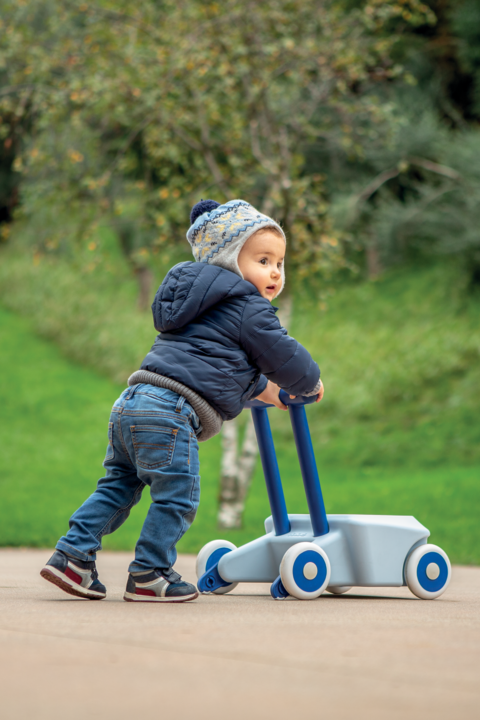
pixel 303 555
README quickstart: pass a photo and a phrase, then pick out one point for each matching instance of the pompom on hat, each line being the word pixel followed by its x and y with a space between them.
pixel 218 232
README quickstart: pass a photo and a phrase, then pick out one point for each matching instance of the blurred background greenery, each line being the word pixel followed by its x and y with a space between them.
pixel 356 125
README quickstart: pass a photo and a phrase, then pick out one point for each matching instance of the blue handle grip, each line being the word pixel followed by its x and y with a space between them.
pixel 285 398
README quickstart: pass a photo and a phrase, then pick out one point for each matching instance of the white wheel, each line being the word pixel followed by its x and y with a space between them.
pixel 428 572
pixel 305 570
pixel 338 589
pixel 211 554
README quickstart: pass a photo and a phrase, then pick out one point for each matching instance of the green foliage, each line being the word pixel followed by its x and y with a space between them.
pixel 85 303
pixel 125 115
pixel 425 199
pixel 400 363
pixel 140 109
pixel 466 25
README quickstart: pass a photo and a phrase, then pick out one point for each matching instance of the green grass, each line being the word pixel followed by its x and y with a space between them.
pixel 54 415
pixel 400 357
pixel 400 360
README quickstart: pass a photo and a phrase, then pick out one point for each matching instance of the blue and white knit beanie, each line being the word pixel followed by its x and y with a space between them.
pixel 218 232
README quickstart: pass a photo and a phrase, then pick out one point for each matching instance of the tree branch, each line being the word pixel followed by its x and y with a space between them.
pixel 389 174
pixel 207 154
pixel 210 157
pixel 376 183
pixel 141 126
pixel 188 139
pixel 257 151
pixel 435 167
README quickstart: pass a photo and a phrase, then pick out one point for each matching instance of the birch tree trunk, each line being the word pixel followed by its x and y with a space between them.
pixel 237 468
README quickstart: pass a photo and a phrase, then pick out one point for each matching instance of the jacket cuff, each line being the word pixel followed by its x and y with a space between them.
pixel 260 387
pixel 315 390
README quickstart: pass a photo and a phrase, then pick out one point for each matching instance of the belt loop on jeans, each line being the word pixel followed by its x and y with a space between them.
pixel 131 391
pixel 180 403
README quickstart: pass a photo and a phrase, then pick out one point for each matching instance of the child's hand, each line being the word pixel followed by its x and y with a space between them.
pixel 319 396
pixel 270 396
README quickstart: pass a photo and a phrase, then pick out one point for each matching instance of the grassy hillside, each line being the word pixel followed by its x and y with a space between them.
pixel 400 360
pixel 399 357
pixel 54 414
pixel 398 431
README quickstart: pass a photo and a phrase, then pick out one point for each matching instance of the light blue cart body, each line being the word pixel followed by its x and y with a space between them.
pixel 364 550
pixel 361 550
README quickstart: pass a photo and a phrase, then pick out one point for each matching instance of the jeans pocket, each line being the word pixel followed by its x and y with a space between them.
pixel 110 451
pixel 154 446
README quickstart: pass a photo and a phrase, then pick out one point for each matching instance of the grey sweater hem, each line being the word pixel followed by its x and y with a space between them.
pixel 210 419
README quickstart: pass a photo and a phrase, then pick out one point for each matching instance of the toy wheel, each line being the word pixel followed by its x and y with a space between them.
pixel 428 572
pixel 305 571
pixel 211 554
pixel 338 589
pixel 277 591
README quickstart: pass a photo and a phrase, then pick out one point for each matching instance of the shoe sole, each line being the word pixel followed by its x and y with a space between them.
pixel 61 581
pixel 131 597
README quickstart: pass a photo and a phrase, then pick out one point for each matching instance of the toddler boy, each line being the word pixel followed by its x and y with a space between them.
pixel 219 345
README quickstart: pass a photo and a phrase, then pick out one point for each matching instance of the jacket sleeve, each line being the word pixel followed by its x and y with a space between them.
pixel 259 388
pixel 278 356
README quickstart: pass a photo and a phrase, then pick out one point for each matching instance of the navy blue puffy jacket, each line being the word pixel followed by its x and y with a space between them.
pixel 218 335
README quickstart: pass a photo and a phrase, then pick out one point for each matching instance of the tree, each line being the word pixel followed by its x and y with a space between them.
pixel 140 109
pixel 165 102
pixel 424 205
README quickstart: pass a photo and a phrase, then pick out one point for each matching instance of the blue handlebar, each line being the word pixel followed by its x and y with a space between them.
pixel 306 458
pixel 285 398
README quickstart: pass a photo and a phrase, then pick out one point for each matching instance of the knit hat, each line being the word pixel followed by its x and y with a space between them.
pixel 218 232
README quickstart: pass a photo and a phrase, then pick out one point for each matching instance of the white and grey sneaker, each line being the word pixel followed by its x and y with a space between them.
pixel 75 577
pixel 157 587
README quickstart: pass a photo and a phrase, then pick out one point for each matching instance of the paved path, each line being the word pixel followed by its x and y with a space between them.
pixel 372 654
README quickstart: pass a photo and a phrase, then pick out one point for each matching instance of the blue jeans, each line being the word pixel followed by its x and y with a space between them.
pixel 151 441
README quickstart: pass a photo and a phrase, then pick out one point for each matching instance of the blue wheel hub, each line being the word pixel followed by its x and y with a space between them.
pixel 214 558
pixel 426 583
pixel 303 582
pixel 211 579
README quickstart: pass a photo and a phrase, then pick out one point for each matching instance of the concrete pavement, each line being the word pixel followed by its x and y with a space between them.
pixel 368 654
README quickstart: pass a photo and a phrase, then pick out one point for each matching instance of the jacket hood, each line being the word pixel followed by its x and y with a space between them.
pixel 190 289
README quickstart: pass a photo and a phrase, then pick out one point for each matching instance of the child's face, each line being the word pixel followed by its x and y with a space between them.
pixel 260 262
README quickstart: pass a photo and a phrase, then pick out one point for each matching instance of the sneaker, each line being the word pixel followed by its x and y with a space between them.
pixel 75 577
pixel 155 587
